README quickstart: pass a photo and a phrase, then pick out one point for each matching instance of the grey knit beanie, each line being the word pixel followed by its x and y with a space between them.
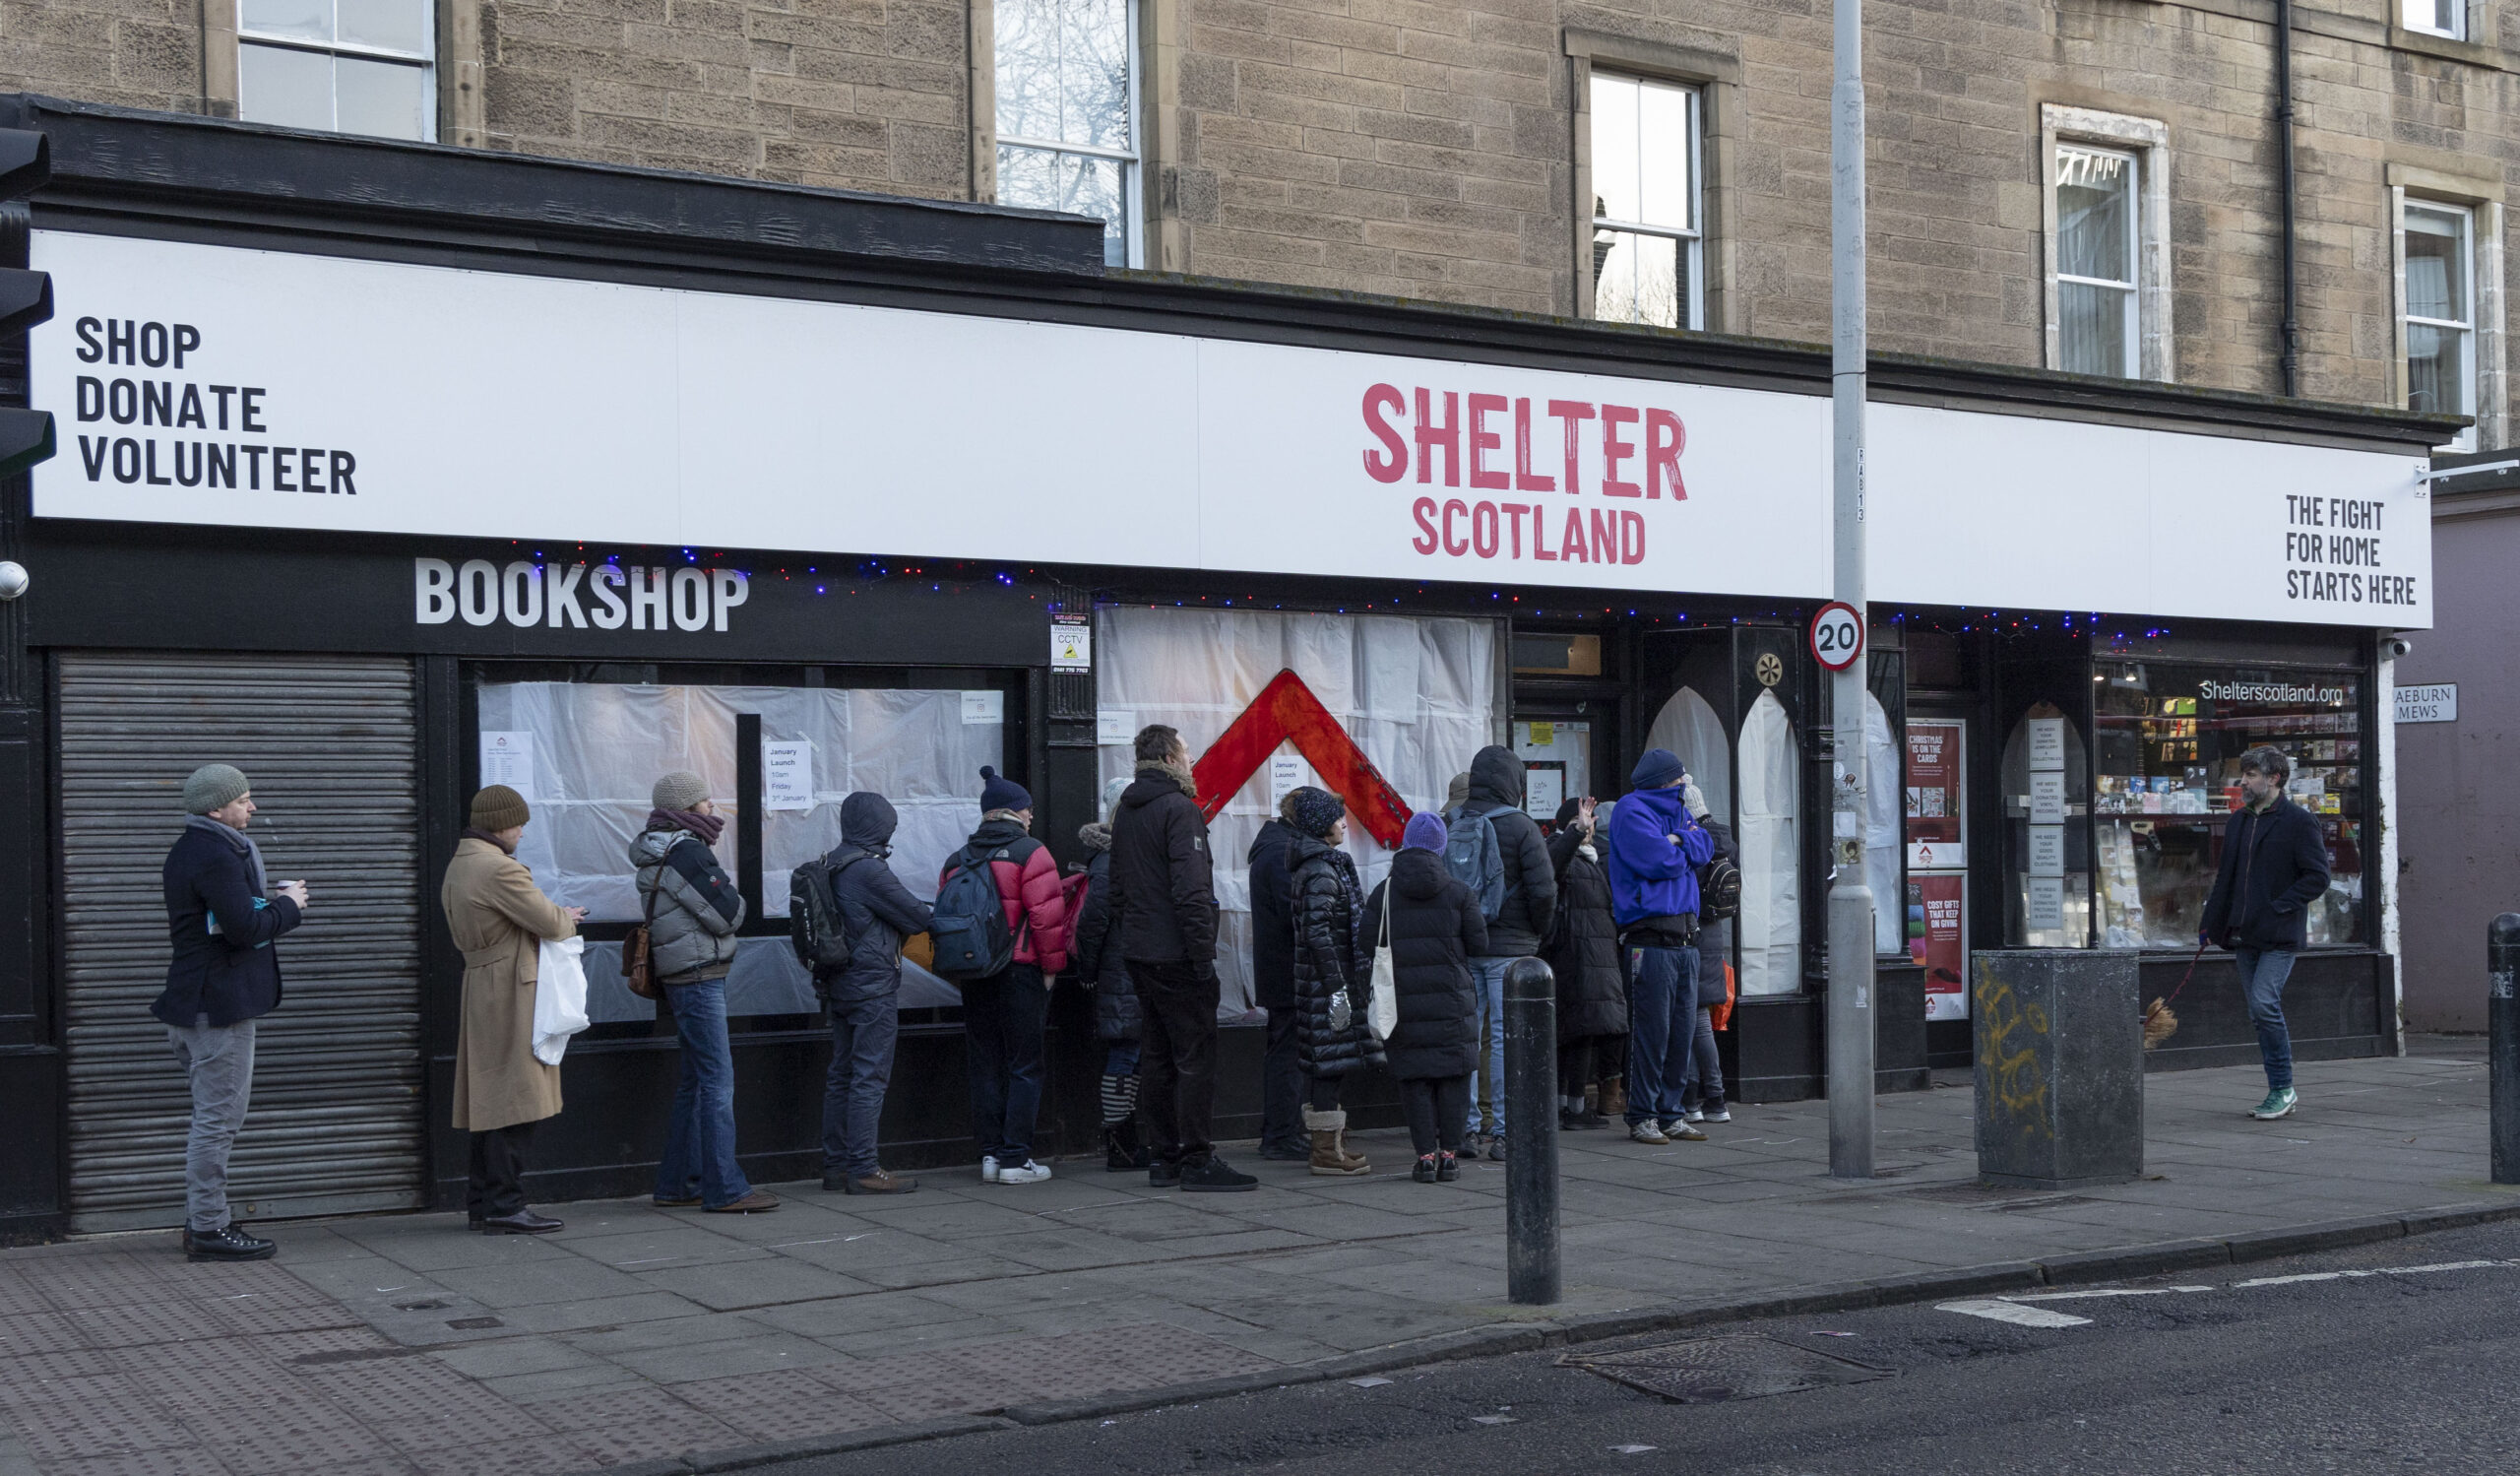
pixel 213 787
pixel 679 791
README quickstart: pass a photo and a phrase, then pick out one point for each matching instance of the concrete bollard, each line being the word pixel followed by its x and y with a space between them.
pixel 2503 1042
pixel 1531 1129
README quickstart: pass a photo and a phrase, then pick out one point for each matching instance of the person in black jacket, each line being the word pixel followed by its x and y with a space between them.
pixel 877 912
pixel 1333 981
pixel 1592 994
pixel 223 917
pixel 1099 968
pixel 2274 866
pixel 1164 888
pixel 1437 929
pixel 1273 987
pixel 1496 793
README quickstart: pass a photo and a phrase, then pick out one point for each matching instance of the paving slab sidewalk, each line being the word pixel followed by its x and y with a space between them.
pixel 401 1344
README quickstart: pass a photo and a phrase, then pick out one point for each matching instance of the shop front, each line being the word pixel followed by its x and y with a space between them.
pixel 473 491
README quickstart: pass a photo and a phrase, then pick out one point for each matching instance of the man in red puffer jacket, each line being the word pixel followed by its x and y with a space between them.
pixel 1003 1014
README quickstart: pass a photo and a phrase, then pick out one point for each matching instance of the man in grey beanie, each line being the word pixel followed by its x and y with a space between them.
pixel 223 915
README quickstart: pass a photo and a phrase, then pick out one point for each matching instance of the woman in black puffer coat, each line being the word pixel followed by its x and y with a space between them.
pixel 1592 993
pixel 1099 968
pixel 1332 1038
pixel 1437 929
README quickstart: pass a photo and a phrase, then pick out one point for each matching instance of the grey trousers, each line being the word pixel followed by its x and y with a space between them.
pixel 862 1035
pixel 218 1064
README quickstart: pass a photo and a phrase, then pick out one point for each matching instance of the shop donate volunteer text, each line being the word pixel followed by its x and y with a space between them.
pixel 1631 452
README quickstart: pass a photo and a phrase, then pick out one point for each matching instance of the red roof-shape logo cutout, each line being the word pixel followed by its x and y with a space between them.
pixel 1286 711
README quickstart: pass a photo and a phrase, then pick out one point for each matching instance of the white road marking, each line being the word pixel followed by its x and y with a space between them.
pixel 1996 1310
pixel 2119 1291
pixel 1630 1449
pixel 1369 1382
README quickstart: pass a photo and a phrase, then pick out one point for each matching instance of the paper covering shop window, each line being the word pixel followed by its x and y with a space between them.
pixel 1770 926
pixel 1882 822
pixel 2046 776
pixel 1690 727
pixel 1419 696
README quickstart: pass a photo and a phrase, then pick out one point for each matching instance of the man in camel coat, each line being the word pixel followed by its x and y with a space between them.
pixel 500 919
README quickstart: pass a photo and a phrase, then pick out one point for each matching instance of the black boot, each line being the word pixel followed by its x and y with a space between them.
pixel 228 1242
pixel 1122 1149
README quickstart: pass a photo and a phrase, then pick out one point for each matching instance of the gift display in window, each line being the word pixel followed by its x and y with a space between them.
pixel 2170 741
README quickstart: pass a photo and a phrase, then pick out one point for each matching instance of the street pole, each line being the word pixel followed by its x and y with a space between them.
pixel 2502 1045
pixel 1850 1033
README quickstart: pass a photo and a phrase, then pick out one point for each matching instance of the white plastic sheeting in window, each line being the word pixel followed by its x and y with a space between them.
pixel 1419 695
pixel 1770 930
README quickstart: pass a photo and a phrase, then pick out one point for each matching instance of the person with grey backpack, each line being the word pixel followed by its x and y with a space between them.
pixel 1497 850
pixel 847 915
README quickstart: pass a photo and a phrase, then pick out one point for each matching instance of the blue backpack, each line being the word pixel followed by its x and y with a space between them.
pixel 1471 854
pixel 970 931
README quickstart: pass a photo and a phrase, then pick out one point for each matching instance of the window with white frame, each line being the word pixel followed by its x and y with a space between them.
pixel 2437 16
pixel 1647 235
pixel 1067 114
pixel 344 66
pixel 2441 313
pixel 2099 323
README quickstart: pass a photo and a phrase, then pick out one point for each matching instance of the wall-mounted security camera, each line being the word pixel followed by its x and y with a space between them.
pixel 14 579
pixel 2396 645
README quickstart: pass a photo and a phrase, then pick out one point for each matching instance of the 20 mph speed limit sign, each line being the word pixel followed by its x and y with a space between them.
pixel 1837 635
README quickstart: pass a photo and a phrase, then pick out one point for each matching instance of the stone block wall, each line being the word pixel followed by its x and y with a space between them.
pixel 1427 149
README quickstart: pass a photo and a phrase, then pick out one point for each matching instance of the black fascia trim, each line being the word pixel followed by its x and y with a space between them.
pixel 431 204
pixel 311 174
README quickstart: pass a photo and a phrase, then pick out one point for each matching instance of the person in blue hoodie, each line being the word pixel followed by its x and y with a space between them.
pixel 1655 849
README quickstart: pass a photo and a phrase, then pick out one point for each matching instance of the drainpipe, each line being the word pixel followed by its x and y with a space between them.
pixel 2290 347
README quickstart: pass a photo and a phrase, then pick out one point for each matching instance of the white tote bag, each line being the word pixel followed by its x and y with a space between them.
pixel 1382 1012
pixel 559 998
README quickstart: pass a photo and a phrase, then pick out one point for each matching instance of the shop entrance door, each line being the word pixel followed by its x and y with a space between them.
pixel 330 747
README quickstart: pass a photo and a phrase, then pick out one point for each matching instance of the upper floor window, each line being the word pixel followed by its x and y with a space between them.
pixel 2098 327
pixel 1647 244
pixel 2440 315
pixel 1067 115
pixel 345 66
pixel 2439 17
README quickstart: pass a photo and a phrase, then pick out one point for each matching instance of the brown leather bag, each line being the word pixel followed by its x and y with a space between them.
pixel 637 960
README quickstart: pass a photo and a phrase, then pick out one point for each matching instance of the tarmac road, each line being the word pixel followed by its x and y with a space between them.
pixel 2403 1355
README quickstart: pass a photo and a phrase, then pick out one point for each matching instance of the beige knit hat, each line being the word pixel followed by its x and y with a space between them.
pixel 680 789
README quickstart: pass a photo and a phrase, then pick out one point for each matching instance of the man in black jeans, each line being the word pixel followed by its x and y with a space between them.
pixel 1163 887
pixel 1273 988
pixel 2274 867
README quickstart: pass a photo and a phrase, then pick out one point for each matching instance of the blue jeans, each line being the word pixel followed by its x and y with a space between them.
pixel 1661 1031
pixel 861 1069
pixel 1706 1088
pixel 2263 972
pixel 699 1145
pixel 1487 975
pixel 1002 1024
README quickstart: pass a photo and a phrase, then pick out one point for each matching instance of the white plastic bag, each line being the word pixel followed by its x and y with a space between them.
pixel 559 998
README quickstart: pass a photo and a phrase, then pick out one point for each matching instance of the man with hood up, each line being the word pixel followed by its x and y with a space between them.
pixel 1495 794
pixel 877 912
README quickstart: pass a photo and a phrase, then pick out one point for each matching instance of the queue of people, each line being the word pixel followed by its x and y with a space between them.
pixel 1610 899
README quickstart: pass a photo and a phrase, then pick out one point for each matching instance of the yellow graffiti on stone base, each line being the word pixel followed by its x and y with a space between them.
pixel 2013 1077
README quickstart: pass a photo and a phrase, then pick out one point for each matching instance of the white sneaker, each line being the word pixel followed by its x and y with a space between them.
pixel 1682 1133
pixel 990 1171
pixel 1027 1172
pixel 1720 1115
pixel 1647 1132
pixel 1692 1115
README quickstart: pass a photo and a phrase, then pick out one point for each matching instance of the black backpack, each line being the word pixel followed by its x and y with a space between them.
pixel 1718 890
pixel 970 931
pixel 817 930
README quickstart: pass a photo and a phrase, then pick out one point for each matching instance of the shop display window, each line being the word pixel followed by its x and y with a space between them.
pixel 2171 739
pixel 2045 778
pixel 1768 934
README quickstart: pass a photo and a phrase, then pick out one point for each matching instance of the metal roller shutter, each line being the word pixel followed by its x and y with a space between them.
pixel 330 745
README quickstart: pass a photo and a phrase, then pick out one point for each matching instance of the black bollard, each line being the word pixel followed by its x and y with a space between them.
pixel 1531 1127
pixel 2503 1042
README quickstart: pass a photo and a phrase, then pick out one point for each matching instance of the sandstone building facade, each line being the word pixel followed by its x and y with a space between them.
pixel 2087 184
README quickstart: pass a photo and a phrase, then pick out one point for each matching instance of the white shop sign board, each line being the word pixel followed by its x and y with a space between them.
pixel 464 404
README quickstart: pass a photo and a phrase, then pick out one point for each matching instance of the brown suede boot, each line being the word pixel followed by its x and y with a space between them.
pixel 1329 1155
pixel 1613 1096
